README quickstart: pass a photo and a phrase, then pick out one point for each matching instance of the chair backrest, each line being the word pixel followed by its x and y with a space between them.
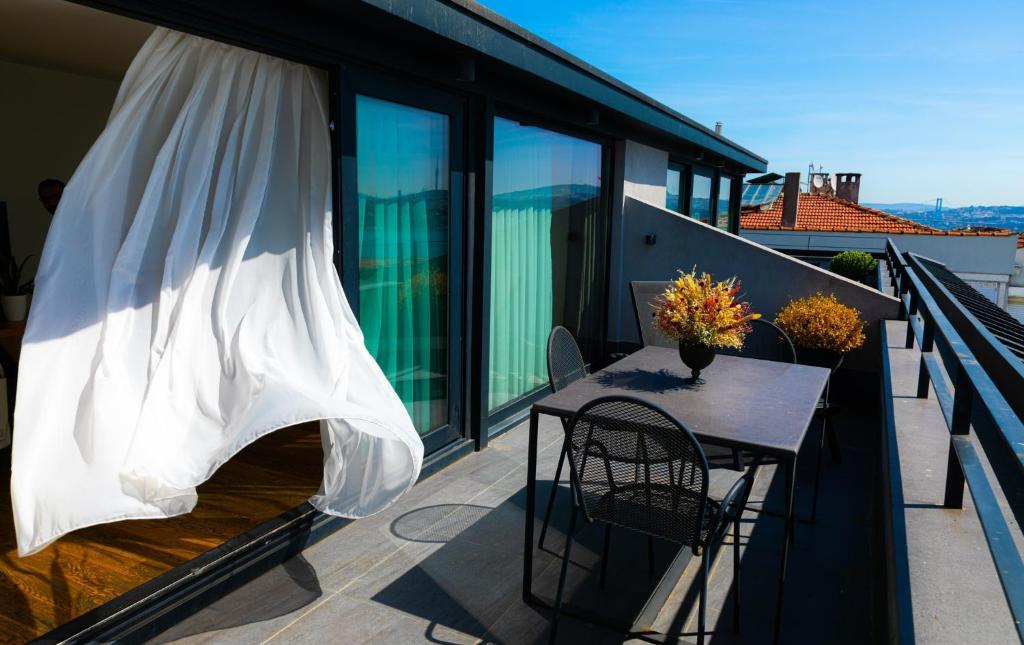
pixel 565 362
pixel 636 466
pixel 766 342
pixel 644 294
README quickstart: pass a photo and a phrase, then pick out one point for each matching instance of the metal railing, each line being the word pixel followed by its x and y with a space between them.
pixel 969 400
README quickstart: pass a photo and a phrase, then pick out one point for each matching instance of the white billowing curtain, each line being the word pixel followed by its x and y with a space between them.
pixel 187 304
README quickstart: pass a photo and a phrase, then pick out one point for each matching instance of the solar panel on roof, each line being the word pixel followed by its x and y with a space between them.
pixel 760 194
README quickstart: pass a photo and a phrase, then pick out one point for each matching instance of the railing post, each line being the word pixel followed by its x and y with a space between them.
pixel 927 344
pixel 911 312
pixel 963 394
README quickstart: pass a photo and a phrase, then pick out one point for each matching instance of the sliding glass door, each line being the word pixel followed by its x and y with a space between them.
pixel 408 247
pixel 548 250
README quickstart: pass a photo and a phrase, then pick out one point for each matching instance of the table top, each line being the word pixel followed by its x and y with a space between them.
pixel 761 406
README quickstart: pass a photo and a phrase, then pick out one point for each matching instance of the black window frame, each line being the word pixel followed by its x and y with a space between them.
pixel 504 417
pixel 358 81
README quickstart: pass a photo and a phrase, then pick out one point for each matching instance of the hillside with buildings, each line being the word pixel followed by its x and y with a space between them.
pixel 1010 217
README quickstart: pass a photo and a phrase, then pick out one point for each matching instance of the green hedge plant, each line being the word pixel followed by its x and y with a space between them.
pixel 853 264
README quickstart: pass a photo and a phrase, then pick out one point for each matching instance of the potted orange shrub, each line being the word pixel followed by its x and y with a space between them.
pixel 702 314
pixel 823 329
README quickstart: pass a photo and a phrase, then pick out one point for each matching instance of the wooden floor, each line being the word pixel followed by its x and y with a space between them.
pixel 94 565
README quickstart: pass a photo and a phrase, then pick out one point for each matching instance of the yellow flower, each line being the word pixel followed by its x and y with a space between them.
pixel 822 322
pixel 696 309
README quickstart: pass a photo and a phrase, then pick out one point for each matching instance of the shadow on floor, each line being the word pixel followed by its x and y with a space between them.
pixel 280 591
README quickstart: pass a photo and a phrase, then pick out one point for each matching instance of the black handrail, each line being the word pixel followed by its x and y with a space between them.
pixel 973 401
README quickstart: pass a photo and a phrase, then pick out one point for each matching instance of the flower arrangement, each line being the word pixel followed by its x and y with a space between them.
pixel 822 322
pixel 696 310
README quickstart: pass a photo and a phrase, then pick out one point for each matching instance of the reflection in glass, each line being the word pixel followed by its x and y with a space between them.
pixel 548 247
pixel 672 188
pixel 402 160
pixel 700 203
pixel 724 202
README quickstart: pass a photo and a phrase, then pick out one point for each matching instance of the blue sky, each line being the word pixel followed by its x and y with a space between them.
pixel 925 98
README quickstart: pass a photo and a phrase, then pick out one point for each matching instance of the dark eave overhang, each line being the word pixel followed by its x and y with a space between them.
pixel 480 29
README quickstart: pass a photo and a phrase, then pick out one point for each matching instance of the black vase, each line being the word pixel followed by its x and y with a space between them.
pixel 696 357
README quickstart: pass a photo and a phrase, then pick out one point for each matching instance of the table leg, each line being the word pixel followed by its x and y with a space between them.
pixel 531 501
pixel 789 467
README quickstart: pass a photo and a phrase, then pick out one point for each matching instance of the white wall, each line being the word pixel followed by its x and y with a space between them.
pixel 962 254
pixel 48 121
pixel 644 172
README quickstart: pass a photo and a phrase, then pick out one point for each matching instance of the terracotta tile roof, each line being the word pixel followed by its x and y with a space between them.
pixel 1020 241
pixel 829 213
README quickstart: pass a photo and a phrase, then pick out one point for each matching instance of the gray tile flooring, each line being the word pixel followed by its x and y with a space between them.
pixel 444 565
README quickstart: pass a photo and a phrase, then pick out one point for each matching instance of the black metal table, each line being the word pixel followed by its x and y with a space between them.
pixel 762 407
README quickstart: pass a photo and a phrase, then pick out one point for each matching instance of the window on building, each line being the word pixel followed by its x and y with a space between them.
pixel 548 241
pixel 403 177
pixel 675 188
pixel 700 202
pixel 724 203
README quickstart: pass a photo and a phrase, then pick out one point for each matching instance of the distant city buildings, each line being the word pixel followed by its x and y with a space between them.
pixel 828 218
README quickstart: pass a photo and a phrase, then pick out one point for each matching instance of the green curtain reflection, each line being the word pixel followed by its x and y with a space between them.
pixel 402 159
pixel 545 251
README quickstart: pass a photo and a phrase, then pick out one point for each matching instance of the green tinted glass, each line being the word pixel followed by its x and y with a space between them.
pixel 547 251
pixel 402 160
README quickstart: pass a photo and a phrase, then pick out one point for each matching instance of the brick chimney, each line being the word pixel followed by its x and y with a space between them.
pixel 848 186
pixel 790 198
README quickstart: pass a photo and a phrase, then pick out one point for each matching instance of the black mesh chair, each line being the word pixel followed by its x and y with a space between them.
pixel 565 366
pixel 644 294
pixel 766 342
pixel 634 466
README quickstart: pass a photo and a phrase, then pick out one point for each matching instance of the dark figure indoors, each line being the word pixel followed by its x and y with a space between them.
pixel 50 191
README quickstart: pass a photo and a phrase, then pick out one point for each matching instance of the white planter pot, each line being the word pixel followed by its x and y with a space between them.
pixel 15 307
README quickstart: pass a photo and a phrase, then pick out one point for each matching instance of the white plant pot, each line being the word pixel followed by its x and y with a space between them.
pixel 15 307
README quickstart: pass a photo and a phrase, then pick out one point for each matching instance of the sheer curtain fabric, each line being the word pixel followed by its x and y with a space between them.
pixel 187 304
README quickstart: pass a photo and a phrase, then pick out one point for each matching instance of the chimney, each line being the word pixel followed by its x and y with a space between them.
pixel 718 127
pixel 848 186
pixel 790 198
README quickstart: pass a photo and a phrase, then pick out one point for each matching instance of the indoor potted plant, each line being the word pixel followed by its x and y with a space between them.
pixel 702 314
pixel 13 292
pixel 822 329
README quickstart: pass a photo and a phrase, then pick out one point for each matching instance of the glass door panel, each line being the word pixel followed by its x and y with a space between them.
pixel 403 180
pixel 548 244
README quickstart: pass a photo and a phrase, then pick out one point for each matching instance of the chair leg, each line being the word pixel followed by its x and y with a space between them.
pixel 551 497
pixel 737 460
pixel 561 577
pixel 604 555
pixel 736 574
pixel 817 471
pixel 833 443
pixel 702 607
pixel 650 554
